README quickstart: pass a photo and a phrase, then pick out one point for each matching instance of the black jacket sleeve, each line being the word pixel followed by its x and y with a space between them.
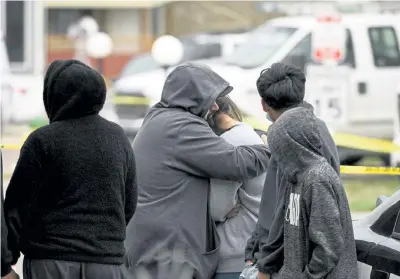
pixel 27 179
pixel 6 256
pixel 130 188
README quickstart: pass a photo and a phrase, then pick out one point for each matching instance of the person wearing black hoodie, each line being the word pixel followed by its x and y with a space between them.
pixel 318 232
pixel 281 88
pixel 73 189
pixel 6 258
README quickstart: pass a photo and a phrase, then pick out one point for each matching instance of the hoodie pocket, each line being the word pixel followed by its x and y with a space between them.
pixel 211 257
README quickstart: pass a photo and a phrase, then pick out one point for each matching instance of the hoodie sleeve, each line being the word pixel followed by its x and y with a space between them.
pixel 130 188
pixel 252 245
pixel 325 230
pixel 200 152
pixel 25 181
pixel 272 253
pixel 6 256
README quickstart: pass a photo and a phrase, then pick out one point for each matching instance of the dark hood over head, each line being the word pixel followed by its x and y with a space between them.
pixel 295 141
pixel 193 87
pixel 72 90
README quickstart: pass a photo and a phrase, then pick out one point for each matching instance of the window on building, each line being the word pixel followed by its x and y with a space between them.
pixel 59 20
pixel 157 21
pixel 385 46
pixel 18 27
pixel 15 31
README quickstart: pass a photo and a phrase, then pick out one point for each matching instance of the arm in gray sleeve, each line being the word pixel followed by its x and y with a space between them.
pixel 223 198
pixel 200 152
pixel 252 245
pixel 272 253
pixel 325 230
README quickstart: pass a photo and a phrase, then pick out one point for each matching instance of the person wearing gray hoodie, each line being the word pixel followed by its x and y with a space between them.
pixel 172 232
pixel 281 88
pixel 318 232
pixel 234 205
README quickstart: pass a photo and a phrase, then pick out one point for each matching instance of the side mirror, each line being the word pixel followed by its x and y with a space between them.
pixel 396 230
pixel 376 274
pixel 380 200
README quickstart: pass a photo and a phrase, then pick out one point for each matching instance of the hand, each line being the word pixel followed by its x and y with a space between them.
pixel 249 262
pixel 11 275
pixel 234 211
pixel 263 276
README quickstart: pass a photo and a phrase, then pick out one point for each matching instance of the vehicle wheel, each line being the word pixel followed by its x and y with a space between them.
pixel 351 160
pixel 386 160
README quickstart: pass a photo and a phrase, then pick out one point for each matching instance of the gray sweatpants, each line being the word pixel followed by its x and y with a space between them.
pixel 54 269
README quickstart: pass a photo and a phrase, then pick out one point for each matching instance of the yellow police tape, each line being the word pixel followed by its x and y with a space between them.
pixel 369 170
pixel 131 100
pixel 343 140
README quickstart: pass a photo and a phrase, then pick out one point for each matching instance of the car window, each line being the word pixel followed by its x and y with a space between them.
pixel 300 55
pixel 140 64
pixel 396 231
pixel 385 224
pixel 303 49
pixel 385 46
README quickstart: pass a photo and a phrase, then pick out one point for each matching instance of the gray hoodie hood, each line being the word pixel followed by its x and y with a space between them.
pixel 295 142
pixel 193 87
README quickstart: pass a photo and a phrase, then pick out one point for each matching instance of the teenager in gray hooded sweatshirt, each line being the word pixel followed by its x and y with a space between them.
pixel 318 233
pixel 176 154
pixel 281 88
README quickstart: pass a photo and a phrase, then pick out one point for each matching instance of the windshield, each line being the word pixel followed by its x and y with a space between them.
pixel 139 64
pixel 261 44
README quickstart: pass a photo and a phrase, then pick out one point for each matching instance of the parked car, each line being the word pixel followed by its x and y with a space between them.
pixel 378 240
pixel 195 47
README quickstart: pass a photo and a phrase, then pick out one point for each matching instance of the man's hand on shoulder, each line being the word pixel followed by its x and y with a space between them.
pixel 11 275
pixel 263 276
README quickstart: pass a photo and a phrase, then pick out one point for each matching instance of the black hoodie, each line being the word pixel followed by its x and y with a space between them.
pixel 73 189
pixel 6 258
pixel 318 233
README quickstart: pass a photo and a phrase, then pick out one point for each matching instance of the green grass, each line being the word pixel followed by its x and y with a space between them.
pixel 362 193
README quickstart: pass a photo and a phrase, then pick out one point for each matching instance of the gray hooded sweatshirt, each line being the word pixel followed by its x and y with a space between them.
pixel 266 242
pixel 246 195
pixel 318 233
pixel 176 154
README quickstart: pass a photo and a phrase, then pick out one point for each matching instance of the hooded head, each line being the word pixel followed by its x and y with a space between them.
pixel 72 90
pixel 294 141
pixel 193 87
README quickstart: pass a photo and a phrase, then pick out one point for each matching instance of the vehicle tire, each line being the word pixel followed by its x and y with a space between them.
pixel 351 160
pixel 386 160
